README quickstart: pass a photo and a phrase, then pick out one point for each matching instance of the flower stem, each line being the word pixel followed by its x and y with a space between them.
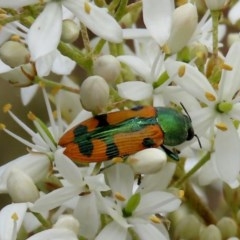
pixel 45 223
pixel 204 159
pixel 215 21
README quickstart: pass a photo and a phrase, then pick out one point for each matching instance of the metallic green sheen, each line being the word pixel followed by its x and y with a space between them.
pixel 177 127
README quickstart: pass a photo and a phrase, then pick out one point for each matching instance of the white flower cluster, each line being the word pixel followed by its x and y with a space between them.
pixel 129 54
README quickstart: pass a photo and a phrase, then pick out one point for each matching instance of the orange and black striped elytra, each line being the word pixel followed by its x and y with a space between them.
pixel 125 132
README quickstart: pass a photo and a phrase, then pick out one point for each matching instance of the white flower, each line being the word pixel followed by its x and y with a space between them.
pixel 134 210
pixel 221 107
pixel 233 13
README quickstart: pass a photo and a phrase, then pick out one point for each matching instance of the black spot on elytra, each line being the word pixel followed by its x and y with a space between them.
pixel 148 142
pixel 86 148
pixel 102 120
pixel 112 150
pixel 137 108
pixel 80 130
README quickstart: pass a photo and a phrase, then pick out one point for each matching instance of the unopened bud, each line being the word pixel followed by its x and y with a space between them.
pixel 69 222
pixel 147 161
pixel 188 228
pixel 21 187
pixel 209 233
pixel 108 67
pixel 185 20
pixel 94 94
pixel 70 31
pixel 228 227
pixel 215 4
pixel 14 53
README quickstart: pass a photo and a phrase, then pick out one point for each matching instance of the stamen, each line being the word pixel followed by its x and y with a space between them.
pixel 226 67
pixel 222 126
pixel 155 219
pixel 117 160
pixel 119 196
pixel 87 8
pixel 181 194
pixel 210 96
pixel 14 231
pixel 7 107
pixel 181 70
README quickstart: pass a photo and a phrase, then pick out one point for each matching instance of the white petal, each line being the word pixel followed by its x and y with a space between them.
pixel 235 112
pixel 135 90
pixel 233 14
pixel 230 81
pixel 7 221
pixel 97 183
pixel 54 234
pixel 28 93
pixel 148 231
pixel 112 231
pixel 44 63
pixel 137 65
pixel 67 168
pixel 157 202
pixel 97 20
pixel 228 153
pixel 88 216
pixel 133 33
pixel 191 79
pixel 43 38
pixel 16 4
pixel 157 16
pixel 54 199
pixel 117 182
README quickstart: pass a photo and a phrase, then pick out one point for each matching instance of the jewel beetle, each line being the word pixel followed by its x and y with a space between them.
pixel 125 132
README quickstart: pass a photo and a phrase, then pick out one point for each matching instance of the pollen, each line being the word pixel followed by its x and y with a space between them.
pixel 14 216
pixel 222 126
pixel 7 107
pixel 181 70
pixel 87 8
pixel 31 116
pixel 2 126
pixel 226 67
pixel 155 219
pixel 210 96
pixel 119 196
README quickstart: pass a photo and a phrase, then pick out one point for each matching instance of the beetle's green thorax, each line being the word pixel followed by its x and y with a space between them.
pixel 177 127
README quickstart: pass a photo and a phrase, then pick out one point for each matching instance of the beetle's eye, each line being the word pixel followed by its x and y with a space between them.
pixel 190 133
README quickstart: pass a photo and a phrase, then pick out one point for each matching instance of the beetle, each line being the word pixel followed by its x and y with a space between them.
pixel 125 132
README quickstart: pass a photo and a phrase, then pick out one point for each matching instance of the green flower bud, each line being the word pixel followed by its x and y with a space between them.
pixel 14 53
pixel 21 187
pixel 70 31
pixel 94 94
pixel 147 161
pixel 210 232
pixel 108 67
pixel 228 227
pixel 188 228
pixel 132 204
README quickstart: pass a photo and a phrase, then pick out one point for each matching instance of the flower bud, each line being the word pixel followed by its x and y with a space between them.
pixel 94 94
pixel 228 227
pixel 147 161
pixel 70 31
pixel 21 187
pixel 209 233
pixel 108 67
pixel 188 228
pixel 14 53
pixel 215 4
pixel 69 222
pixel 185 20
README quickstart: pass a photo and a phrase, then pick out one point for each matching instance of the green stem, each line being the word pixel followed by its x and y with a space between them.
pixel 121 9
pixel 52 84
pixel 215 22
pixel 204 159
pixel 45 223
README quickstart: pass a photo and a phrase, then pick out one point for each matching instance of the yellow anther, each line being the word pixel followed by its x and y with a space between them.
pixel 15 216
pixel 181 194
pixel 117 160
pixel 87 7
pixel 119 196
pixel 226 67
pixel 2 126
pixel 222 126
pixel 155 219
pixel 41 84
pixel 210 96
pixel 3 15
pixel 16 38
pixel 7 107
pixel 181 70
pixel 31 116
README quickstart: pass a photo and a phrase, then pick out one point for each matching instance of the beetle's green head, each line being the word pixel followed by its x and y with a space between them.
pixel 177 127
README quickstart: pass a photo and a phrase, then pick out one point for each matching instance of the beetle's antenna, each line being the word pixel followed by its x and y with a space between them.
pixel 185 110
